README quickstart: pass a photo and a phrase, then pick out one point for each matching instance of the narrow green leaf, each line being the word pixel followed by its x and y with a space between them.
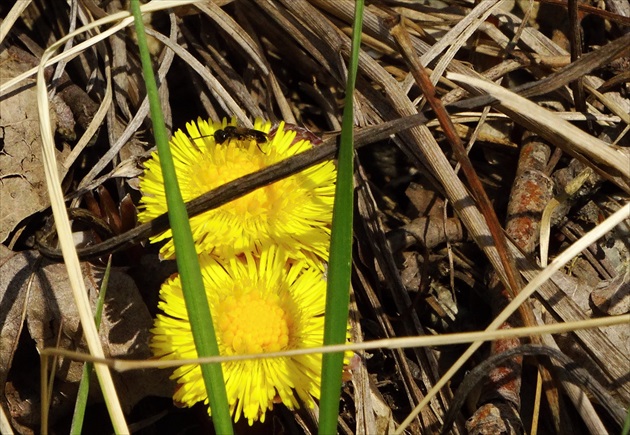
pixel 187 261
pixel 626 425
pixel 84 385
pixel 340 266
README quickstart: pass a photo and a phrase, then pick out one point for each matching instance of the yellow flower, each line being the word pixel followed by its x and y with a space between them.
pixel 259 305
pixel 294 213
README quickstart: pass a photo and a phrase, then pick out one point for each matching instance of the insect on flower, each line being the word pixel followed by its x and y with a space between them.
pixel 239 133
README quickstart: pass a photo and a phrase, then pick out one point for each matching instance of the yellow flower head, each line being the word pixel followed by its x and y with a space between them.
pixel 264 304
pixel 294 213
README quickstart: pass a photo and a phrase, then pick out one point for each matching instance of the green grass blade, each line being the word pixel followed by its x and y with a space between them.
pixel 84 385
pixel 340 266
pixel 187 262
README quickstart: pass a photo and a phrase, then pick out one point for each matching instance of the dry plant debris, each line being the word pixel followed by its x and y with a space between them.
pixel 537 93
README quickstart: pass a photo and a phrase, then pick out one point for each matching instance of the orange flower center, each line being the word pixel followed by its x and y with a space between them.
pixel 252 323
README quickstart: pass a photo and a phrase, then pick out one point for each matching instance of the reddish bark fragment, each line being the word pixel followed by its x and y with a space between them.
pixel 504 382
pixel 531 192
pixel 500 398
pixel 491 420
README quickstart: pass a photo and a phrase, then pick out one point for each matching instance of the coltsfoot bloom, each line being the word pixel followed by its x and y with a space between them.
pixel 264 304
pixel 294 213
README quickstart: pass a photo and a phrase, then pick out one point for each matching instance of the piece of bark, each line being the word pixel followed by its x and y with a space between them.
pixel 495 419
pixel 531 191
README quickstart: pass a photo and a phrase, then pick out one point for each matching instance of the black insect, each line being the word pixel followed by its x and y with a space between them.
pixel 239 133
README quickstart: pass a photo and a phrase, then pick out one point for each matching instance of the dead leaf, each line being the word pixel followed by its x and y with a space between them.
pixel 22 182
pixel 15 270
pixel 39 289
